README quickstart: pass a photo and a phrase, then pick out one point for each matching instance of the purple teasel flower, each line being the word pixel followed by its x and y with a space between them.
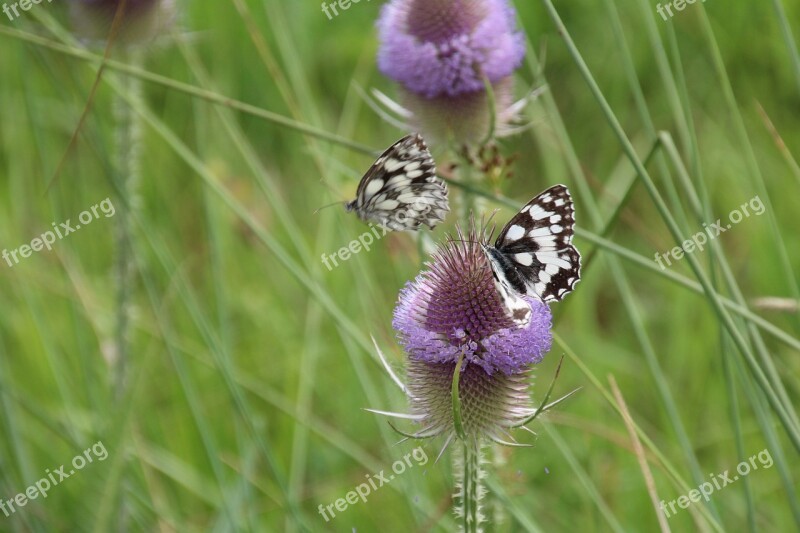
pixel 442 53
pixel 142 20
pixel 452 311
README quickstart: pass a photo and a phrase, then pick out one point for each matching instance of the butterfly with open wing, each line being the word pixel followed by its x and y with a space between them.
pixel 401 191
pixel 533 254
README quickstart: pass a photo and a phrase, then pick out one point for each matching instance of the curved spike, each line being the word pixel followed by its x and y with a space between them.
pixel 545 408
pixel 419 435
pixel 387 367
pixel 391 104
pixel 457 422
pixel 513 444
pixel 542 408
pixel 446 444
pixel 375 106
pixel 406 416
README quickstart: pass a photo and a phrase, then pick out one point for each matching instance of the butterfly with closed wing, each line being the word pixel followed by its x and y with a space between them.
pixel 533 254
pixel 401 191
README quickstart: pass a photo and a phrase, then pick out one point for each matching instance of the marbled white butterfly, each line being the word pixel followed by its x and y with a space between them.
pixel 401 191
pixel 533 255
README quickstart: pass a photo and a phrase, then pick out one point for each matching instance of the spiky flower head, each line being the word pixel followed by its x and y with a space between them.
pixel 454 307
pixel 140 20
pixel 451 310
pixel 446 47
pixel 443 52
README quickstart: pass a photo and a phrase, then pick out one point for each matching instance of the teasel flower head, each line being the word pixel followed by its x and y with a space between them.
pixel 453 308
pixel 469 368
pixel 140 21
pixel 452 312
pixel 443 53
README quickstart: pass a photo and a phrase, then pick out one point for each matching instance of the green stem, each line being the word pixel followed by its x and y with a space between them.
pixel 127 174
pixel 470 486
pixel 126 164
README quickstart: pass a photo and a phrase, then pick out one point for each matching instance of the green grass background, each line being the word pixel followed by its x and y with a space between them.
pixel 251 363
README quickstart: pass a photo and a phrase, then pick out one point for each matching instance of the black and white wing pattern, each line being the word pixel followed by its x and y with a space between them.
pixel 534 255
pixel 401 191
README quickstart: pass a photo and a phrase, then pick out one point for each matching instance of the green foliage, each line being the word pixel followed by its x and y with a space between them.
pixel 251 363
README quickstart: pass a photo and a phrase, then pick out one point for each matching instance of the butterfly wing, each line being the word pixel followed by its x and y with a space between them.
pixel 401 190
pixel 535 247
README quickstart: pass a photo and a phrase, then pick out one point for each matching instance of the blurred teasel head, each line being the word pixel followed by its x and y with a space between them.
pixel 453 310
pixel 139 21
pixel 442 53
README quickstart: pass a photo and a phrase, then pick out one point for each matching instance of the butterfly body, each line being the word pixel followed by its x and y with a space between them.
pixel 533 255
pixel 512 277
pixel 401 190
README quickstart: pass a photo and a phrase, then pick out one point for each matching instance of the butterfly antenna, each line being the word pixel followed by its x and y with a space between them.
pixel 112 35
pixel 460 234
pixel 485 226
pixel 327 206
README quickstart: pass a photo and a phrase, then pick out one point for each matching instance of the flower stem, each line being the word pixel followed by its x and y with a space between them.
pixel 127 169
pixel 126 178
pixel 470 486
